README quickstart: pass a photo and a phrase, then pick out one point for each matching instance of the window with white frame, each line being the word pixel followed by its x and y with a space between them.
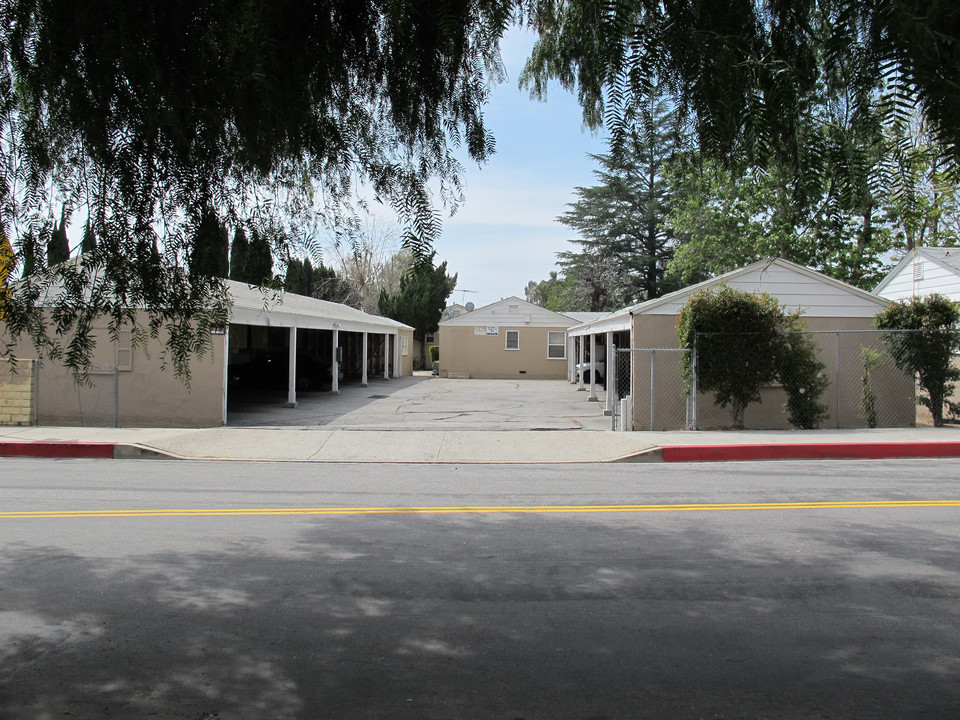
pixel 513 339
pixel 556 345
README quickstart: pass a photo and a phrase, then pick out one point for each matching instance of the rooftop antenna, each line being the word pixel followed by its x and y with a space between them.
pixel 463 294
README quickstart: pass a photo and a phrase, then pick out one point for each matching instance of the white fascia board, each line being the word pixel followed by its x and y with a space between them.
pixel 619 322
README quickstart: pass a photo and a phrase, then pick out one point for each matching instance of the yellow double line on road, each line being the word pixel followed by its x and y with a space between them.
pixel 480 509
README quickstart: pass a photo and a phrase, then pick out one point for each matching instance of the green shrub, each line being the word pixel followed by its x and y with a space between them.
pixel 434 353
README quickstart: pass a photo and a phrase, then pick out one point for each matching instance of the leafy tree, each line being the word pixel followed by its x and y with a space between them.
pixel 560 294
pixel 923 337
pixel 8 262
pixel 744 342
pixel 420 300
pixel 144 113
pixel 746 71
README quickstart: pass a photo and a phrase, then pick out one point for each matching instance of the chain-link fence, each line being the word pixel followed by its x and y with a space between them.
pixel 848 379
pixel 97 401
pixel 655 397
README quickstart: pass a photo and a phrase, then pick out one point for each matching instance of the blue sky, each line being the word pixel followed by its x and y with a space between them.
pixel 506 232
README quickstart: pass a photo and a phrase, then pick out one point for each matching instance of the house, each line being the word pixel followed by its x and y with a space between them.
pixel 921 272
pixel 129 386
pixel 840 316
pixel 511 338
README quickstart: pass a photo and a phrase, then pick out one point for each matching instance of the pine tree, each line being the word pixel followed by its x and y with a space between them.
pixel 625 242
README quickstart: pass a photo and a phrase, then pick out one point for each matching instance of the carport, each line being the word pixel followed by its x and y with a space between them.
pixel 356 345
pixel 597 341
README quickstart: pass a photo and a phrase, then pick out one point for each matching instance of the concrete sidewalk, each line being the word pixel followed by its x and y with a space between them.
pixel 311 444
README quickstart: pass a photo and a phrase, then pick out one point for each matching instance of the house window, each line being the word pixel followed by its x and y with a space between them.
pixel 431 338
pixel 556 345
pixel 513 339
pixel 125 350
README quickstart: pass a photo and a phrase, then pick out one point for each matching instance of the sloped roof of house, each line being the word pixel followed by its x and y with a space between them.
pixel 794 285
pixel 511 311
pixel 256 306
pixel 946 257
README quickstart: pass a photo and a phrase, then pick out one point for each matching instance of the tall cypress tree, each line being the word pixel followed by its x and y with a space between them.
pixel 239 251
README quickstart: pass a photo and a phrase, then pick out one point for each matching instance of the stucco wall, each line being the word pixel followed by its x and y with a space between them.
pixel 895 389
pixel 465 354
pixel 147 395
pixel 16 393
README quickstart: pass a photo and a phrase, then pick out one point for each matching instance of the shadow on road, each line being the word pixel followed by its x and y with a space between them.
pixel 503 617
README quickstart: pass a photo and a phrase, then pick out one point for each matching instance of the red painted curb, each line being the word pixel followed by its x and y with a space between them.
pixel 809 451
pixel 57 449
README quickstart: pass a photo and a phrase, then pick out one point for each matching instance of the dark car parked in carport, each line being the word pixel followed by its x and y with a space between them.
pixel 272 369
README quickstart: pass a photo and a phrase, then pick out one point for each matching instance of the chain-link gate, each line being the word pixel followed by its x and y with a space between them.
pixel 97 400
pixel 649 390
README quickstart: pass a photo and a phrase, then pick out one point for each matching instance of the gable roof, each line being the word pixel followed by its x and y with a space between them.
pixel 946 258
pixel 794 285
pixel 511 312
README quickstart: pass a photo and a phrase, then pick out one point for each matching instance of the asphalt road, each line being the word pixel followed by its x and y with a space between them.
pixel 242 590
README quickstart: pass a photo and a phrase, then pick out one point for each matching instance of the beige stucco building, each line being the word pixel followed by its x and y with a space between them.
pixel 511 338
pixel 840 316
pixel 130 387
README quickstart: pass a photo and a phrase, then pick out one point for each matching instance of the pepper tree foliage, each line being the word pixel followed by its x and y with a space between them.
pixel 420 301
pixel 743 342
pixel 749 76
pixel 145 116
pixel 923 337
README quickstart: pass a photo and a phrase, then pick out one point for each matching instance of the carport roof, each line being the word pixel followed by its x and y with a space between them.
pixel 257 306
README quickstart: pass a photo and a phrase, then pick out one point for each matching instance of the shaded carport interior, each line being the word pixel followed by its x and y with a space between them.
pixel 600 339
pixel 358 346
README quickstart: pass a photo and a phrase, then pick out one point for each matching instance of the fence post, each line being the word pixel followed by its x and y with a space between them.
pixel 36 392
pixel 116 396
pixel 693 385
pixel 653 385
pixel 838 378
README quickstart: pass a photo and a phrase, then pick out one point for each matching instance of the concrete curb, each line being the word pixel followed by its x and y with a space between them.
pixel 79 450
pixel 666 453
pixel 809 451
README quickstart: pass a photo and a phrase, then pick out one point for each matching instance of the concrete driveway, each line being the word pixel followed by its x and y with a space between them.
pixel 423 402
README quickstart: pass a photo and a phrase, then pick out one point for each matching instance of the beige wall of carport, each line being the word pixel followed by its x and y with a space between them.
pixel 16 392
pixel 464 354
pixel 659 331
pixel 406 361
pixel 149 395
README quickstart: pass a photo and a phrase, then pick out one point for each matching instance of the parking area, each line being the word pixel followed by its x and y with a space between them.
pixel 423 402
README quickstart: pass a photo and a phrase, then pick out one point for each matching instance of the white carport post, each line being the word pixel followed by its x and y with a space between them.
pixel 580 361
pixel 386 356
pixel 363 381
pixel 292 369
pixel 572 359
pixel 335 364
pixel 610 374
pixel 396 355
pixel 593 369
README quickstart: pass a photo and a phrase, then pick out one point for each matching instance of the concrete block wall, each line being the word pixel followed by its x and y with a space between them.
pixel 16 393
